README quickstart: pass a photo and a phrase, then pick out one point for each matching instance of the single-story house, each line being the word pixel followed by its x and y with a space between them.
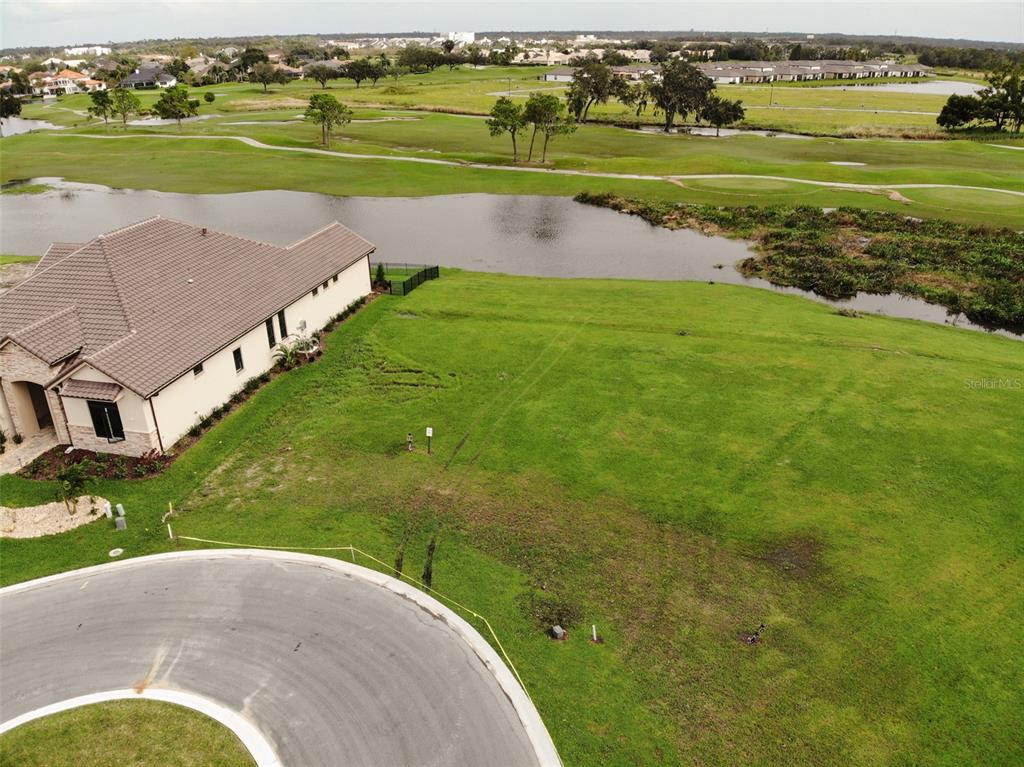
pixel 123 343
pixel 149 77
pixel 560 75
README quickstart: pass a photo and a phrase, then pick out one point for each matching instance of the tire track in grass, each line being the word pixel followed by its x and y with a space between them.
pixel 490 404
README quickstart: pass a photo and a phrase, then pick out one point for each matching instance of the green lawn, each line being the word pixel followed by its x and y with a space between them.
pixel 152 162
pixel 675 462
pixel 124 733
pixel 6 259
pixel 854 111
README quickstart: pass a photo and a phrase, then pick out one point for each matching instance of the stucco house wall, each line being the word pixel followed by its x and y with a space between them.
pixel 136 418
pixel 188 398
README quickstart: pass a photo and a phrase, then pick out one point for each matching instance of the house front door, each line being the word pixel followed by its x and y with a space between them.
pixel 40 406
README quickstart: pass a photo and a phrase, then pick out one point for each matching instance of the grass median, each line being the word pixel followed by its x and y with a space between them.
pixel 675 463
pixel 124 732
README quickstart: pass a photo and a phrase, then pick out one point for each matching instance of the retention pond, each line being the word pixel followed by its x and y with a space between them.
pixel 524 235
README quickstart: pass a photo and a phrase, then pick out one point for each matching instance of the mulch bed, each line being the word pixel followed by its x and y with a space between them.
pixel 109 466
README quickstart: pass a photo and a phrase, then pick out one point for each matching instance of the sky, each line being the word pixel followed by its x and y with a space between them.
pixel 69 22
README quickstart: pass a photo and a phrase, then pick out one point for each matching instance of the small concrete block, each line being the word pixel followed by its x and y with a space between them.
pixel 120 510
pixel 121 523
pixel 107 512
pixel 557 632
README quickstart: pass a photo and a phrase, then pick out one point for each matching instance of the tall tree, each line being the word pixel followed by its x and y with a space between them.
pixel 102 105
pixel 327 112
pixel 683 89
pixel 719 112
pixel 507 117
pixel 174 104
pixel 638 95
pixel 545 112
pixel 959 111
pixel 1000 103
pixel 322 73
pixel 266 74
pixel 178 68
pixel 593 83
pixel 125 104
pixel 1003 99
pixel 359 70
pixel 10 106
pixel 251 57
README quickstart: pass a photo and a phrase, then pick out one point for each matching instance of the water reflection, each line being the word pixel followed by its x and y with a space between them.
pixel 528 235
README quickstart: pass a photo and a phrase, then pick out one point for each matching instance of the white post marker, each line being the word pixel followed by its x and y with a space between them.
pixel 430 434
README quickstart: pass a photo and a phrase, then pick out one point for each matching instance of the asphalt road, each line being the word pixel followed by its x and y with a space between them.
pixel 331 668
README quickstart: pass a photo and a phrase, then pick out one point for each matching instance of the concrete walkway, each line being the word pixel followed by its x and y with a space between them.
pixel 17 456
pixel 671 178
pixel 316 661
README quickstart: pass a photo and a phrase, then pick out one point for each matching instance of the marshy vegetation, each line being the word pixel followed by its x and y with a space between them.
pixel 974 270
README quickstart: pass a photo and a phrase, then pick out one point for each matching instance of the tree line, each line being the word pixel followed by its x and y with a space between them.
pixel 679 91
pixel 999 105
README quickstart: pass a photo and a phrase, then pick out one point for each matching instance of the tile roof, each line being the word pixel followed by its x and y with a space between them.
pixel 56 252
pixel 148 302
pixel 97 390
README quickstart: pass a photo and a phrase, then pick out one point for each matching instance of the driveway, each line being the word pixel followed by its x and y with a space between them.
pixel 331 663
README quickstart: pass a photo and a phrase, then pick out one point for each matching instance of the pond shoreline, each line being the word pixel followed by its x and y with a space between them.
pixel 514 234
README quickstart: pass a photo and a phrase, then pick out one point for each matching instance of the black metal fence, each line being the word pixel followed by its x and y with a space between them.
pixel 415 275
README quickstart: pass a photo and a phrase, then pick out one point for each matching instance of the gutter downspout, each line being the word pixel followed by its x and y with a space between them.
pixel 156 423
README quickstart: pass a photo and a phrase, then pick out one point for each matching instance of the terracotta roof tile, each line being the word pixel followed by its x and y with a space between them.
pixel 155 298
pixel 96 390
pixel 56 252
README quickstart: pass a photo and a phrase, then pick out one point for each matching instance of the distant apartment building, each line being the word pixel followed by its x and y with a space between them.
pixel 88 50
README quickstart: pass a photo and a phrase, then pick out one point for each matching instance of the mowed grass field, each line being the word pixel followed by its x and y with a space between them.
pixel 154 160
pixel 122 733
pixel 675 463
pixel 854 111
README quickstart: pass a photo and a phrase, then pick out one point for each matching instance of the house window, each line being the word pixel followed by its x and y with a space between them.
pixel 270 333
pixel 238 359
pixel 281 325
pixel 106 420
pixel 335 278
pixel 197 369
pixel 316 291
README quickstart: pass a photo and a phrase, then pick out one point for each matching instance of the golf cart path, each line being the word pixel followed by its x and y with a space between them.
pixel 312 661
pixel 671 178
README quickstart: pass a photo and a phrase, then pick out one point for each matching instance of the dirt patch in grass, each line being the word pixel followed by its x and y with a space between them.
pixel 798 557
pixel 260 105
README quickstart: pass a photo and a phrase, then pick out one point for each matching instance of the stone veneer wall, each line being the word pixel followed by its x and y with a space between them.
pixel 18 364
pixel 134 443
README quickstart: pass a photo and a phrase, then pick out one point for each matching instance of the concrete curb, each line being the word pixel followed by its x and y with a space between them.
pixel 540 739
pixel 257 746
